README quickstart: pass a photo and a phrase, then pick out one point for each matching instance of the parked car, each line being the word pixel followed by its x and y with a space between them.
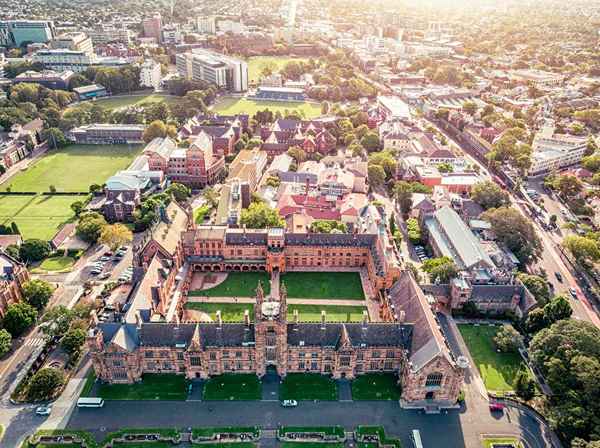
pixel 43 410
pixel 105 258
pixel 289 403
pixel 496 407
pixel 573 292
pixel 558 276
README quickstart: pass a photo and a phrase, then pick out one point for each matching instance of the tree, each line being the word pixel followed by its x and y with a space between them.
pixel 328 226
pixel 392 225
pixel 441 269
pixel 537 286
pixel 524 385
pixel 516 232
pixel 585 250
pixel 260 216
pixel 297 153
pixel 34 250
pixel 376 175
pixel 179 191
pixel 557 309
pixel 536 320
pixel 488 194
pixel 90 226
pixel 403 193
pixel 156 129
pixel 55 138
pixel 56 321
pixel 45 384
pixel 370 141
pixel 508 339
pixel 73 340
pixel 5 342
pixel 211 196
pixel 445 167
pixel 568 186
pixel 19 317
pixel 77 207
pixel 37 293
pixel 115 235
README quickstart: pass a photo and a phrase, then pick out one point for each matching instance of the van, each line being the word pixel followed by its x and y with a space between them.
pixel 90 403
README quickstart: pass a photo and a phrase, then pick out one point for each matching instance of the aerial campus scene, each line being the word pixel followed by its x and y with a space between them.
pixel 299 223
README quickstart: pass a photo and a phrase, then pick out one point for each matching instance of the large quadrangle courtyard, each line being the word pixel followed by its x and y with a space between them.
pixel 323 285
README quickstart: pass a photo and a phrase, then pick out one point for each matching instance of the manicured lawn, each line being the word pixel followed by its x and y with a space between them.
pixel 37 216
pixel 233 386
pixel 238 284
pixel 498 370
pixel 230 312
pixel 152 387
pixel 323 285
pixel 372 430
pixel 376 386
pixel 329 430
pixel 200 213
pixel 310 445
pixel 256 64
pixel 308 386
pixel 112 103
pixel 57 263
pixel 73 168
pixel 510 441
pixel 333 313
pixel 90 379
pixel 234 105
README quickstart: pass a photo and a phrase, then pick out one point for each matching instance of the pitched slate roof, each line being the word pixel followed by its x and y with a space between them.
pixel 211 334
pixel 359 335
pixel 330 239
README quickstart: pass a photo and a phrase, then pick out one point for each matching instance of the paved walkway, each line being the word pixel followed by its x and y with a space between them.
pixel 323 302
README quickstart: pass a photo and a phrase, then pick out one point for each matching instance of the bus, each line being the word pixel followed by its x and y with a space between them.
pixel 416 438
pixel 90 403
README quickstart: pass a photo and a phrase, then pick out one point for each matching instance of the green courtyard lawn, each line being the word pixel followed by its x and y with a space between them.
pixel 256 63
pixel 112 103
pixel 310 445
pixel 498 370
pixel 57 264
pixel 323 285
pixel 333 313
pixel 501 441
pixel 201 213
pixel 230 312
pixel 152 387
pixel 238 284
pixel 233 386
pixel 235 105
pixel 37 216
pixel 308 386
pixel 73 168
pixel 376 386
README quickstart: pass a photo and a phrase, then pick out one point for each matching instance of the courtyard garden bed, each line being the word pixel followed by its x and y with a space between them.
pixel 323 285
pixel 376 386
pixel 237 284
pixel 333 313
pixel 226 434
pixel 233 386
pixel 374 437
pixel 311 433
pixel 308 386
pixel 152 387
pixel 497 369
pixel 502 442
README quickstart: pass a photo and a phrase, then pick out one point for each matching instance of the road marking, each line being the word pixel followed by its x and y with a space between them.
pixel 34 342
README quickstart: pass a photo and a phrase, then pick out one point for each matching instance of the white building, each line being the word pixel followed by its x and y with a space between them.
pixel 3 62
pixel 537 78
pixel 75 41
pixel 392 107
pixel 229 26
pixel 171 35
pixel 215 68
pixel 207 24
pixel 76 61
pixel 105 35
pixel 555 151
pixel 150 74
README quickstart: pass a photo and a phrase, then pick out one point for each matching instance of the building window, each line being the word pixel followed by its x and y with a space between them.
pixel 117 363
pixel 151 366
pixel 388 365
pixel 360 356
pixel 149 354
pixel 213 356
pixel 434 380
pixel 359 368
pixel 164 354
pixel 374 365
pixel 314 366
pixel 226 366
pixel 375 355
pixel 327 367
pixel 390 354
pixel 120 374
pixel 345 361
pixel 180 356
pixel 314 355
pixel 301 354
pixel 301 365
pixel 225 354
pixel 195 360
pixel 238 354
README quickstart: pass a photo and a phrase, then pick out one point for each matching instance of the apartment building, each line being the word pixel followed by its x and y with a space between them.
pixel 150 74
pixel 206 65
pixel 552 151
pixel 75 41
pixel 14 33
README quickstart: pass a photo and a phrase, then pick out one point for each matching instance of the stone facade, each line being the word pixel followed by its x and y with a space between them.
pixel 12 278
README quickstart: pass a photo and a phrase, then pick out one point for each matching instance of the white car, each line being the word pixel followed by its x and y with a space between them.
pixel 43 410
pixel 104 276
pixel 289 403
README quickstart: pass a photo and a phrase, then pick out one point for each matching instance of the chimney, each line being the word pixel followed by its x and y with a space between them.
pixel 365 319
pixel 401 317
pixel 247 317
pixel 296 317
pixel 219 320
pixel 323 318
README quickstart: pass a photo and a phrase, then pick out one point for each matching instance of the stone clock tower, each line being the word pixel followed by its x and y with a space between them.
pixel 270 332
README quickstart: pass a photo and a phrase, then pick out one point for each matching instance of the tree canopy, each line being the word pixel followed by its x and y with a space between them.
pixel 260 216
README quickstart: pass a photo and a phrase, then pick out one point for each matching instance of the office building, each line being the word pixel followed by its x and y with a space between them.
pixel 206 65
pixel 74 41
pixel 49 78
pixel 150 74
pixel 153 27
pixel 207 24
pixel 15 33
pixel 90 91
pixel 111 134
pixel 104 35
pixel 74 60
pixel 552 151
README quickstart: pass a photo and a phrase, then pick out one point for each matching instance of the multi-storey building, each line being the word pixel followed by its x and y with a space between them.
pixel 106 34
pixel 206 65
pixel 153 27
pixel 18 143
pixel 150 74
pixel 75 41
pixel 207 24
pixel 101 133
pixel 14 33
pixel 13 275
pixel 74 60
pixel 552 151
pixel 48 79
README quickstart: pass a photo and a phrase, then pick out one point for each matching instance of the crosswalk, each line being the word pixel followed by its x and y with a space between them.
pixel 33 342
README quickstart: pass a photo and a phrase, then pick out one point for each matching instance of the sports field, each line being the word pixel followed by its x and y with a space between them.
pixel 256 64
pixel 37 216
pixel 234 105
pixel 73 168
pixel 112 103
